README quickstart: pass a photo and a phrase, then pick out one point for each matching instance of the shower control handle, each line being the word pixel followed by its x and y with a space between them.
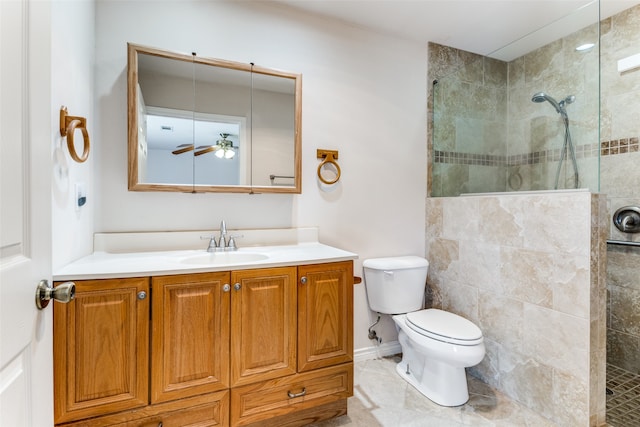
pixel 627 219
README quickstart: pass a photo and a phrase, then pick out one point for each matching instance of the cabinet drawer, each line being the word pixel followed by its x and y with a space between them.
pixel 202 411
pixel 206 415
pixel 282 396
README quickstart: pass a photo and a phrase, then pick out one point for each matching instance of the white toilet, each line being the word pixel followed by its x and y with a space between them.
pixel 437 345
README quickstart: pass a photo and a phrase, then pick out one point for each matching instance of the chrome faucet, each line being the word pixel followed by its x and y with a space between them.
pixel 224 243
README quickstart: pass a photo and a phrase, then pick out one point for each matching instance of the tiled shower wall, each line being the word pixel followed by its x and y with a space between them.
pixel 620 181
pixel 525 355
pixel 489 136
pixel 479 85
pixel 528 269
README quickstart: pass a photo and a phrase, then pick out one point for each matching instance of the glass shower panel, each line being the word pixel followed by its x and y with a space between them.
pixel 514 121
pixel 469 127
pixel 553 130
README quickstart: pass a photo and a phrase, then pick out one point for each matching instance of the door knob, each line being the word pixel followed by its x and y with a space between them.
pixel 64 292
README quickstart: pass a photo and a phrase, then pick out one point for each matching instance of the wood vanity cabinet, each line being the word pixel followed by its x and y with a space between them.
pixel 269 346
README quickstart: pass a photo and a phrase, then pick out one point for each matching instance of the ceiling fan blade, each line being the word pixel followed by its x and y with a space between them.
pixel 206 150
pixel 184 149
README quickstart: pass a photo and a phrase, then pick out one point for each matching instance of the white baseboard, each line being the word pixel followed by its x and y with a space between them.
pixel 377 351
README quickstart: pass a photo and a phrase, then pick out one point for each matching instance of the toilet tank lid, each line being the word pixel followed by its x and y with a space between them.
pixel 395 263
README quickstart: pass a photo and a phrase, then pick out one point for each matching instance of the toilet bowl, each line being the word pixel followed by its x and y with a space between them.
pixel 436 345
pixel 434 363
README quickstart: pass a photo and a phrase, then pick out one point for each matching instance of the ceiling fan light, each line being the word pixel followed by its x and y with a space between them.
pixel 228 154
pixel 219 153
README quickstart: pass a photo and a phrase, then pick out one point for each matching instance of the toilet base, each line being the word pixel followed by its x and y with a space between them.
pixel 436 368
pixel 444 385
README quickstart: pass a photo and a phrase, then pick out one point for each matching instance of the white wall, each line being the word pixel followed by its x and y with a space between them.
pixel 364 94
pixel 72 53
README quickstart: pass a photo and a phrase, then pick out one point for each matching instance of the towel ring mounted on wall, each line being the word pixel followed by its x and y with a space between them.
pixel 330 157
pixel 68 126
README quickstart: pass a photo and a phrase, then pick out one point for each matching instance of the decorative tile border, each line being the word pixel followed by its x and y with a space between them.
pixel 620 146
pixel 606 148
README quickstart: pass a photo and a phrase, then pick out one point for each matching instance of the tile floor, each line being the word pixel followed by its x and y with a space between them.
pixel 623 403
pixel 382 398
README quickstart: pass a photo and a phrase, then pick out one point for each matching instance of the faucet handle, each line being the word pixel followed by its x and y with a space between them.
pixel 207 237
pixel 231 243
pixel 212 242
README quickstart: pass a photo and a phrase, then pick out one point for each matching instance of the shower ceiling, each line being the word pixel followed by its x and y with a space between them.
pixel 479 26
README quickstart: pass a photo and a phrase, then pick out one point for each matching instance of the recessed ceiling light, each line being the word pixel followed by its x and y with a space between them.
pixel 585 46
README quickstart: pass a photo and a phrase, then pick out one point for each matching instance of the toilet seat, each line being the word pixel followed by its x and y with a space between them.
pixel 444 326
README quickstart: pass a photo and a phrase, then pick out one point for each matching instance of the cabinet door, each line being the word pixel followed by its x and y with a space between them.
pixel 190 335
pixel 101 349
pixel 263 324
pixel 325 315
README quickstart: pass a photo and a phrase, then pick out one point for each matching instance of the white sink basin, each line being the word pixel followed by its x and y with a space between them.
pixel 223 258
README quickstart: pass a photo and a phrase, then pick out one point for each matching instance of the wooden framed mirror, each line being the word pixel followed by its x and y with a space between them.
pixel 209 125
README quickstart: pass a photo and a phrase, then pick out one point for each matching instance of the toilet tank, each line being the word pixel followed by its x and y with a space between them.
pixel 395 284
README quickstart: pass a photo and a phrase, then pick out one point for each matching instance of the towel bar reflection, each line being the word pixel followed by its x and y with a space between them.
pixel 273 177
pixel 330 157
pixel 68 126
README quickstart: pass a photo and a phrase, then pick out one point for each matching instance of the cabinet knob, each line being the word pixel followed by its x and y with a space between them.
pixel 226 287
pixel 237 286
pixel 303 280
pixel 142 295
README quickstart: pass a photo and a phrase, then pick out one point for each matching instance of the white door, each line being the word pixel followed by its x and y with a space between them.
pixel 26 379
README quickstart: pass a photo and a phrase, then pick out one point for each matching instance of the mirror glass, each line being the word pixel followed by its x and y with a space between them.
pixel 207 125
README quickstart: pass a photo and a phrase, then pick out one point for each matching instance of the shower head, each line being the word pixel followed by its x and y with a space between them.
pixel 541 97
pixel 559 106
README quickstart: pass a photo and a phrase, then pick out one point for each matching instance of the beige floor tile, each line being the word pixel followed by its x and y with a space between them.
pixel 383 399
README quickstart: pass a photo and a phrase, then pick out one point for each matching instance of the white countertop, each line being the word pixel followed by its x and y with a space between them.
pixel 108 263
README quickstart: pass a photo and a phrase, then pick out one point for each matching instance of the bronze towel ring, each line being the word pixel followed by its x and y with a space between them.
pixel 68 126
pixel 330 157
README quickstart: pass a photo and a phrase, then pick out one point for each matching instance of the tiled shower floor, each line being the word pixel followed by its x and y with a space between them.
pixel 623 397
